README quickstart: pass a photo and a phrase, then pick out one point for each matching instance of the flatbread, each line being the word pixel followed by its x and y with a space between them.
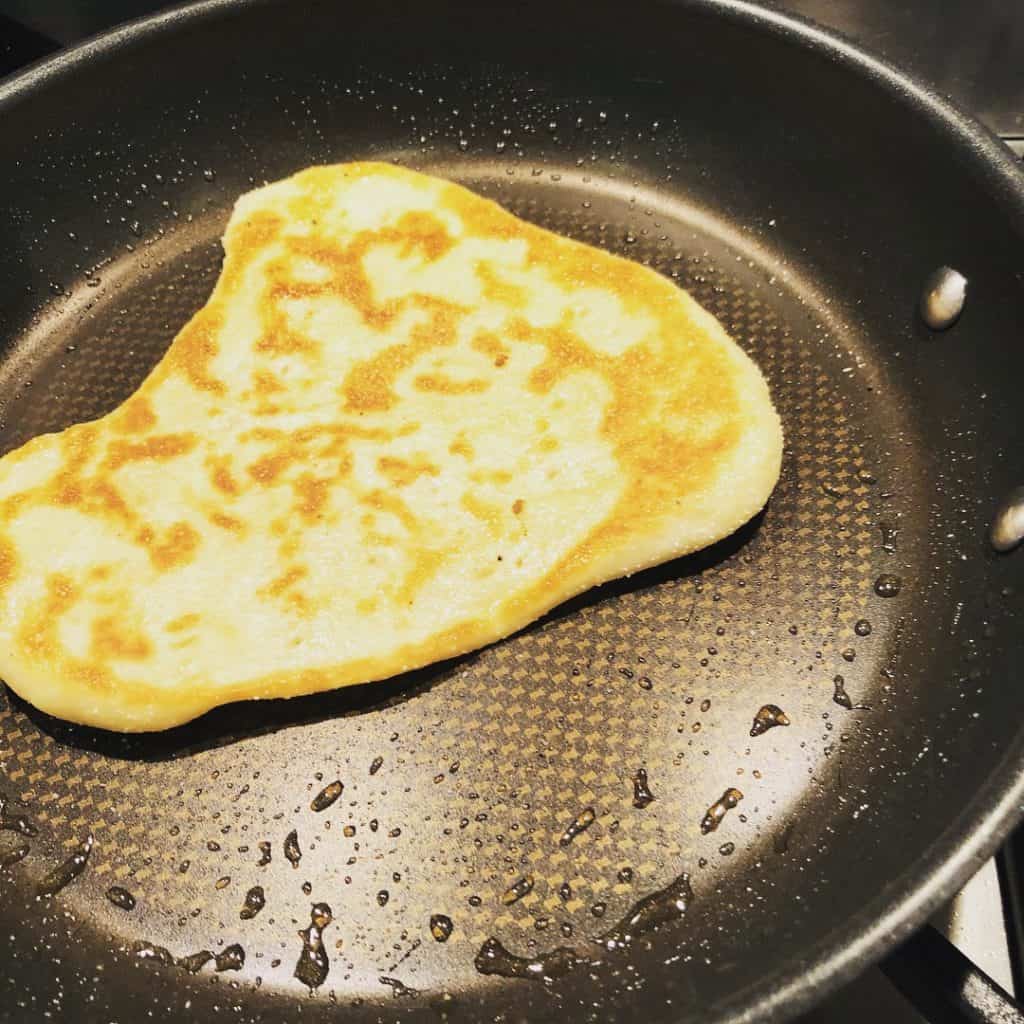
pixel 405 425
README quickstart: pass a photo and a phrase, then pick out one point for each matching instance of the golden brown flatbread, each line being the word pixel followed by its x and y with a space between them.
pixel 405 425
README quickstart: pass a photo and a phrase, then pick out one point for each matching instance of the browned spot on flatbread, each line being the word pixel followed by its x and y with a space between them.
pixel 268 468
pixel 194 350
pixel 112 639
pixel 383 501
pixel 312 495
pixel 369 386
pixel 136 416
pixel 163 446
pixel 37 633
pixel 226 522
pixel 425 564
pixel 92 496
pixel 291 576
pixel 266 383
pixel 278 337
pixel 442 384
pixel 402 472
pixel 175 546
pixel 8 563
pixel 461 446
pixel 486 511
pixel 283 589
pixel 491 346
pixel 221 476
pixel 246 241
pixel 187 621
pixel 347 277
pixel 497 289
pixel 491 476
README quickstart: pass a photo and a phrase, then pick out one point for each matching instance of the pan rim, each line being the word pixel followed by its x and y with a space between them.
pixel 976 832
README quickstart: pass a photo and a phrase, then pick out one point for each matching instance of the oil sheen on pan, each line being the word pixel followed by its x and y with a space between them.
pixel 405 425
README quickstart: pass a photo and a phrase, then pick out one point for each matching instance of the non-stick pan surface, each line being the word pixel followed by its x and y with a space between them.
pixel 802 192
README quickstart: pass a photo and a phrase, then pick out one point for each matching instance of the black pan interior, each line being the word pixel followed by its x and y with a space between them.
pixel 802 194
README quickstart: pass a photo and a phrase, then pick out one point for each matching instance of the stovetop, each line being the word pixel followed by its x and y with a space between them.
pixel 971 52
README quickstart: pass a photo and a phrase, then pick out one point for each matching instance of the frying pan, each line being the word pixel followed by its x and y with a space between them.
pixel 803 192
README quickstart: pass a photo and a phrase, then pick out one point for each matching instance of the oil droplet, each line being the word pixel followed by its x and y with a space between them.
pixel 767 718
pixel 579 824
pixel 230 959
pixel 255 901
pixel 291 848
pixel 208 174
pixel 382 898
pixel 842 698
pixel 313 966
pixel 348 831
pixel 121 897
pixel 195 962
pixel 441 927
pixel 849 655
pixel 727 849
pixel 517 890
pixel 566 929
pixel 660 907
pixel 889 532
pixel 642 794
pixel 888 585
pixel 474 901
pixel 398 989
pixel 625 875
pixel 375 765
pixel 307 888
pixel 839 694
pixel 494 958
pixel 598 909
pixel 265 855
pixel 147 951
pixel 718 810
pixel 327 796
pixel 222 883
pixel 565 892
pixel 66 872
pixel 862 627
pixel 16 853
